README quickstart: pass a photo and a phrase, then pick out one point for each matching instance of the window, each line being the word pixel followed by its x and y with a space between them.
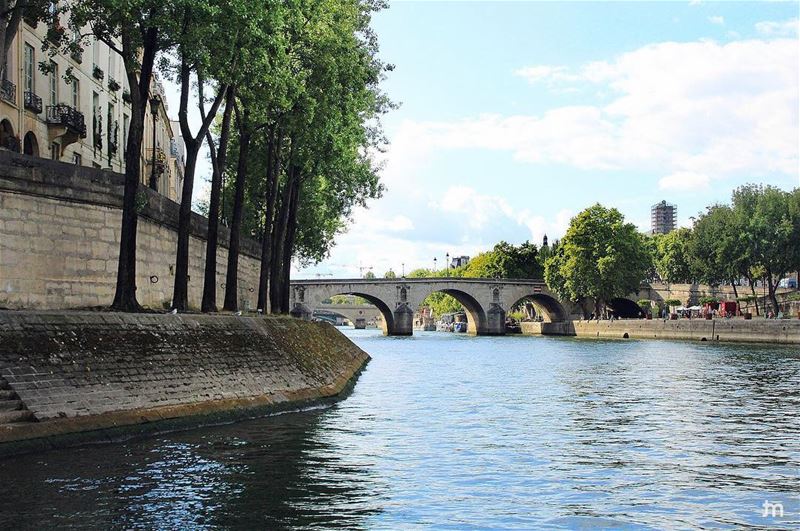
pixel 96 52
pixel 30 62
pixel 53 83
pixel 76 159
pixel 76 94
pixel 112 64
pixel 55 151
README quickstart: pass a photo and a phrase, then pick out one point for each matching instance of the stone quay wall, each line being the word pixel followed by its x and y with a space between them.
pixel 733 330
pixel 59 240
pixel 101 375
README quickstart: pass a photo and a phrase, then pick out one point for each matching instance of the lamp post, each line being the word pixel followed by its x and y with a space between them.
pixel 155 103
pixel 434 265
pixel 403 270
pixel 447 264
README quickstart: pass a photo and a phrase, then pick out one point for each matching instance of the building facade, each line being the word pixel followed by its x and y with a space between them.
pixel 663 218
pixel 79 111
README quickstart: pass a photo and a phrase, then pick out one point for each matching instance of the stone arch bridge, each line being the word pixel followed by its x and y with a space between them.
pixel 485 300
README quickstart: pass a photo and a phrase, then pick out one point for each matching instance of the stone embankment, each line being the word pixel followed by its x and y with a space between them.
pixel 730 330
pixel 75 377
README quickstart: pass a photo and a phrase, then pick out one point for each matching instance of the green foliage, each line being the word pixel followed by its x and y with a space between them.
pixel 506 261
pixel 369 274
pixel 708 300
pixel 672 259
pixel 673 302
pixel 390 274
pixel 644 304
pixel 600 257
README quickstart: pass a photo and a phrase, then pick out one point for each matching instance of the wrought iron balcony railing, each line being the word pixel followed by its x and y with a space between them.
pixel 33 102
pixel 160 159
pixel 8 91
pixel 67 116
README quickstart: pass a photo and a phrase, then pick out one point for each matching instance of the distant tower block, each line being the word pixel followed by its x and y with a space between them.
pixel 663 218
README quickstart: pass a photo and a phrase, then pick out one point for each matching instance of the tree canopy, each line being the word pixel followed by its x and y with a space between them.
pixel 600 257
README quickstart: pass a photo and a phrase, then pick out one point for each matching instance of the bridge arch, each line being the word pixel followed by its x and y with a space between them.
pixel 387 323
pixel 545 305
pixel 476 316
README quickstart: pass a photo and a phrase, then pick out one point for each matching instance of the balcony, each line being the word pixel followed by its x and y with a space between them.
pixel 66 116
pixel 33 102
pixel 8 91
pixel 160 158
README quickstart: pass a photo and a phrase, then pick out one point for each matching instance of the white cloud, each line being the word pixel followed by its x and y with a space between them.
pixel 704 107
pixel 684 181
pixel 786 28
pixel 718 20
pixel 538 73
pixel 693 112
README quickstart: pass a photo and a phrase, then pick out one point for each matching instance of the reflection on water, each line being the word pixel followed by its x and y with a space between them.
pixel 463 432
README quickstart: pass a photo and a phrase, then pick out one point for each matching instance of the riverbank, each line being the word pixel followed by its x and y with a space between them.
pixel 79 377
pixel 728 330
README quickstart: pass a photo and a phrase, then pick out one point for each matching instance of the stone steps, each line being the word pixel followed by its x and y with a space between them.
pixel 12 410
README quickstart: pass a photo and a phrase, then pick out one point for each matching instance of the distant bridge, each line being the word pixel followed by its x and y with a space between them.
pixel 485 300
pixel 351 312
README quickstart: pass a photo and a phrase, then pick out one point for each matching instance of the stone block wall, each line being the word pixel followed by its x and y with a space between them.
pixel 734 330
pixel 88 363
pixel 89 376
pixel 59 241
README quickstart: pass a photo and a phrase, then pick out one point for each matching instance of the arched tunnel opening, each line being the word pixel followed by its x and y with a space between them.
pixel 539 307
pixel 622 308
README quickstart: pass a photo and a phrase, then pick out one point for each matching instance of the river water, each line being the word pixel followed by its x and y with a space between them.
pixel 458 432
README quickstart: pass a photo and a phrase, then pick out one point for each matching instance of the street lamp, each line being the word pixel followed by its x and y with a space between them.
pixel 434 265
pixel 155 103
pixel 403 266
pixel 447 264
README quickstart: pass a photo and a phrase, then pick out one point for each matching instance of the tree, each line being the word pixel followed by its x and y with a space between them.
pixel 673 261
pixel 12 13
pixel 715 248
pixel 205 37
pixel 601 257
pixel 769 219
pixel 136 30
pixel 390 274
pixel 506 261
pixel 369 275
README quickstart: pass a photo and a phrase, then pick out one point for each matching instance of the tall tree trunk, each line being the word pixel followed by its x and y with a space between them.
pixel 139 77
pixel 772 287
pixel 735 291
pixel 219 162
pixel 180 292
pixel 279 243
pixel 273 170
pixel 755 295
pixel 288 252
pixel 9 25
pixel 232 276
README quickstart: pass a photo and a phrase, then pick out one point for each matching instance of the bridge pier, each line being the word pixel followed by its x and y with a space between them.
pixel 403 321
pixel 495 321
pixel 301 311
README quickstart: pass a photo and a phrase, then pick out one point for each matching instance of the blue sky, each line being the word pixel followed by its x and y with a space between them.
pixel 516 115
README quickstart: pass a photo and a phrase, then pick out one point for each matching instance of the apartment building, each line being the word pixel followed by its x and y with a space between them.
pixel 79 112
